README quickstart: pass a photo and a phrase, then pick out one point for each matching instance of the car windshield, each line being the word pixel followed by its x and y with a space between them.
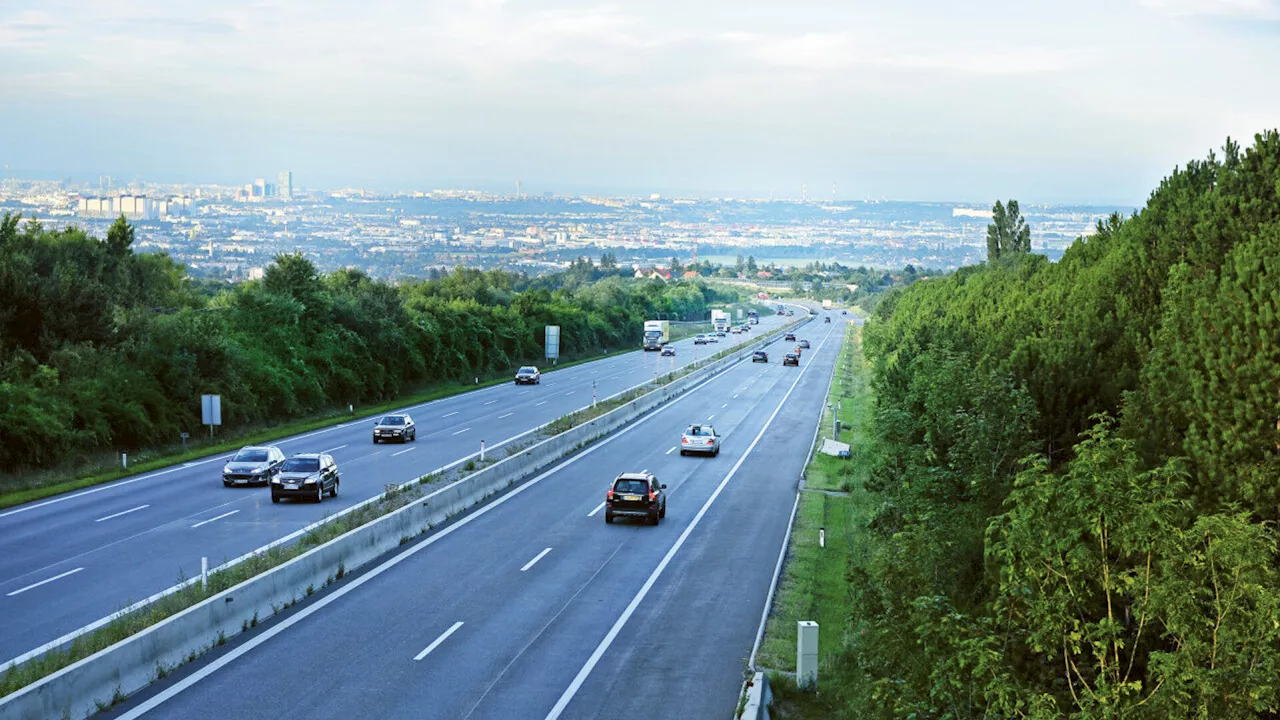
pixel 248 455
pixel 392 420
pixel 631 486
pixel 302 464
pixel 791 355
pixel 528 370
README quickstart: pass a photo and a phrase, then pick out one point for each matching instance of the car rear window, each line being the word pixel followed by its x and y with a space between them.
pixel 302 464
pixel 250 456
pixel 631 486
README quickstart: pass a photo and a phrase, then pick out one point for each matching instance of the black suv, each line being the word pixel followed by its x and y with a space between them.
pixel 636 495
pixel 759 356
pixel 791 359
pixel 395 427
pixel 306 477
pixel 789 337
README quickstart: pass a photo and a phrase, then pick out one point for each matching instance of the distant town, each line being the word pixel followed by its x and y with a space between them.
pixel 233 232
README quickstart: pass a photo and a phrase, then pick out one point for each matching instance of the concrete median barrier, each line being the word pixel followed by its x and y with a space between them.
pixel 96 682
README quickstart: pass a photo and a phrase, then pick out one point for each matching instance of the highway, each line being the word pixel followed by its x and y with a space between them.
pixel 531 606
pixel 71 560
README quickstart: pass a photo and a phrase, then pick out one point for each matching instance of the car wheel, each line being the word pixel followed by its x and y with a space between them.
pixel 375 441
pixel 320 492
pixel 608 518
pixel 682 453
pixel 415 434
pixel 717 451
pixel 275 498
pixel 663 512
pixel 333 492
pixel 653 519
pixel 226 484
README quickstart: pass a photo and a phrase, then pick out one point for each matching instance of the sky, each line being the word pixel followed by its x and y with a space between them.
pixel 1088 102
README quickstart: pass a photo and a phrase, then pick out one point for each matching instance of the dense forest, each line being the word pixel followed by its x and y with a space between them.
pixel 1078 472
pixel 106 349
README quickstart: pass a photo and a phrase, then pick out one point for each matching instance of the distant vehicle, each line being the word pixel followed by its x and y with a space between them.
pixel 636 495
pixel 804 344
pixel 826 304
pixel 737 330
pixel 791 359
pixel 669 350
pixel 719 333
pixel 753 317
pixel 762 296
pixel 700 339
pixel 844 312
pixel 720 320
pixel 700 439
pixel 780 313
pixel 714 337
pixel 395 427
pixel 252 466
pixel 791 313
pixel 826 319
pixel 789 337
pixel 528 375
pixel 760 356
pixel 656 334
pixel 306 477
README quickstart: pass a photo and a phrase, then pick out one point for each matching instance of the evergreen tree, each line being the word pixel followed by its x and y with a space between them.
pixel 1008 233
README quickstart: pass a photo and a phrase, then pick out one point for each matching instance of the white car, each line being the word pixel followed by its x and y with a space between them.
pixel 700 439
pixel 700 339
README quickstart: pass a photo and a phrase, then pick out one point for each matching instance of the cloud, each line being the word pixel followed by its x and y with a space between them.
pixel 1232 9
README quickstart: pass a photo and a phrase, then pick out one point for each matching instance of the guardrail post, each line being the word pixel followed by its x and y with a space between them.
pixel 807 654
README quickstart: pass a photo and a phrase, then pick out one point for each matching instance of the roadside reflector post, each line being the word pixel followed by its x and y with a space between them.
pixel 822 537
pixel 124 460
pixel 204 573
pixel 481 451
pixel 593 393
pixel 351 408
pixel 807 654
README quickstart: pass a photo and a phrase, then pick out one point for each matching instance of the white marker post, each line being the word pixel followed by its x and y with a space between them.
pixel 124 460
pixel 822 537
pixel 481 451
pixel 204 573
pixel 807 654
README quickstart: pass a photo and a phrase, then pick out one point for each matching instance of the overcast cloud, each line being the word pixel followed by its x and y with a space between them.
pixel 1090 101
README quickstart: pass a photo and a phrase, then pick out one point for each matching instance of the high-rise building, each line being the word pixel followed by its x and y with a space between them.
pixel 285 186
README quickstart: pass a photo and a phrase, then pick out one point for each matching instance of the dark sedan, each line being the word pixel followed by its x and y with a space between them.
pixel 760 356
pixel 306 477
pixel 791 359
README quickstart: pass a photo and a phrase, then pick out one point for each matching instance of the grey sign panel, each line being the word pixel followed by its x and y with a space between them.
pixel 211 409
pixel 553 342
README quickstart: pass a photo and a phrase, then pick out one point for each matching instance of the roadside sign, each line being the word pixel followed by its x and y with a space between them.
pixel 553 342
pixel 211 409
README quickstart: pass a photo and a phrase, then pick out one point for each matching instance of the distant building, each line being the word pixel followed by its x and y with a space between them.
pixel 285 186
pixel 134 207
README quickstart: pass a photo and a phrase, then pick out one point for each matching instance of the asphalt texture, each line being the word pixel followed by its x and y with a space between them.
pixel 531 606
pixel 73 559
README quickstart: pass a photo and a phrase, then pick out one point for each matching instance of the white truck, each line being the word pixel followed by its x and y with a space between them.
pixel 656 333
pixel 826 304
pixel 720 320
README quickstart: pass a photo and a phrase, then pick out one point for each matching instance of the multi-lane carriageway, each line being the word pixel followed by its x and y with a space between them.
pixel 531 606
pixel 70 561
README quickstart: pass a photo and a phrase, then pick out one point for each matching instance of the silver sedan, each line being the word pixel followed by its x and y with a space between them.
pixel 700 439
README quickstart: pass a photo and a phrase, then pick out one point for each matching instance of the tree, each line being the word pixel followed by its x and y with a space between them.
pixel 741 265
pixel 1008 233
pixel 676 267
pixel 608 261
pixel 752 268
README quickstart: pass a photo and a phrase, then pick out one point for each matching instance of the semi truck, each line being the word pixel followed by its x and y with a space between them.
pixel 656 333
pixel 720 320
pixel 826 304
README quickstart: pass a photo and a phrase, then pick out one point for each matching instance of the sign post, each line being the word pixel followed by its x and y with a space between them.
pixel 211 411
pixel 553 343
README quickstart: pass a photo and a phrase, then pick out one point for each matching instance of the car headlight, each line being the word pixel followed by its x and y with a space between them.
pixel 310 480
pixel 275 481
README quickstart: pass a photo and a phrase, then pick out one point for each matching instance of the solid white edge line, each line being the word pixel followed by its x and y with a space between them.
pixel 436 643
pixel 206 522
pixel 567 696
pixel 32 586
pixel 123 512
pixel 403 451
pixel 306 612
pixel 535 559
pixel 598 508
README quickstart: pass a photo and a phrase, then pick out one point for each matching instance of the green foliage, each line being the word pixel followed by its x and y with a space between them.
pixel 103 349
pixel 1008 232
pixel 1029 555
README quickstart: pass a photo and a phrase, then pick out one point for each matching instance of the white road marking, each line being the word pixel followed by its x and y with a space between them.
pixel 600 650
pixel 593 512
pixel 402 452
pixel 506 416
pixel 570 392
pixel 490 402
pixel 544 402
pixel 724 406
pixel 735 397
pixel 125 512
pixel 111 486
pixel 206 522
pixel 334 449
pixel 307 611
pixel 462 431
pixel 535 559
pixel 42 582
pixel 710 417
pixel 669 451
pixel 437 641
pixel 455 412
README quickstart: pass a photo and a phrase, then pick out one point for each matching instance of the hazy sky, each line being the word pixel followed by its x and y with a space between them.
pixel 1087 101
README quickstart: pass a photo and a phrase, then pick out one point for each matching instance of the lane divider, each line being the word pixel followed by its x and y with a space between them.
pixel 212 519
pixel 124 512
pixel 19 591
pixel 535 559
pixel 436 643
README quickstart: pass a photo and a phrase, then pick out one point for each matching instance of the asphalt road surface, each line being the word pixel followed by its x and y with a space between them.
pixel 531 606
pixel 73 559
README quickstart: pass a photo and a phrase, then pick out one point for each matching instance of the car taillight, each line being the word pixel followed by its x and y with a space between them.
pixel 652 497
pixel 711 442
pixel 684 441
pixel 609 496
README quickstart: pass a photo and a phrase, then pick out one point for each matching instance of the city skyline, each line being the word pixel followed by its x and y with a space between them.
pixel 921 101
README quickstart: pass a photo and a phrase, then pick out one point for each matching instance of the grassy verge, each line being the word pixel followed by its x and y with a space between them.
pixel 392 499
pixel 813 584
pixel 19 489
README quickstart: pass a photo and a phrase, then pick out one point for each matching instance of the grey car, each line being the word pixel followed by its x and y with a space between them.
pixel 253 466
pixel 528 375
pixel 700 439
pixel 306 477
pixel 397 427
